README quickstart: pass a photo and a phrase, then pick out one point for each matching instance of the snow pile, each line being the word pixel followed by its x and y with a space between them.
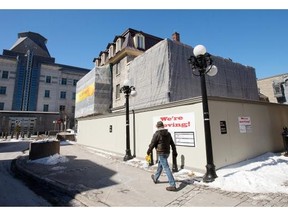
pixel 51 160
pixel 267 173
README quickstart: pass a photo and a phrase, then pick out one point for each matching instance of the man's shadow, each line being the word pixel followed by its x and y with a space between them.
pixel 182 185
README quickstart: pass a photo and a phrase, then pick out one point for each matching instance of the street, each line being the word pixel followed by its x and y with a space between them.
pixel 13 191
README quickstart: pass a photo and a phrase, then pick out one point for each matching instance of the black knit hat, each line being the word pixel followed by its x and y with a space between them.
pixel 159 124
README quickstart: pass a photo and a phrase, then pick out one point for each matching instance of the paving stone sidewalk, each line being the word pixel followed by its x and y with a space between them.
pixel 94 178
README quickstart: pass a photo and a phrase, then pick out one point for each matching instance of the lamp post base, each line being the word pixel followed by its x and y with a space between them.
pixel 128 156
pixel 210 174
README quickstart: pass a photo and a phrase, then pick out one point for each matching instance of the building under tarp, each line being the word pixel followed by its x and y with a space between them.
pixel 162 75
pixel 93 92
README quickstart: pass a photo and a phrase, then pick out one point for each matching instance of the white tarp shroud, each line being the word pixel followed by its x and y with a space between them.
pixel 93 92
pixel 161 75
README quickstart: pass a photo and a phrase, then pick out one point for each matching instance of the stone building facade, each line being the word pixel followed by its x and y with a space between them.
pixel 120 53
pixel 275 88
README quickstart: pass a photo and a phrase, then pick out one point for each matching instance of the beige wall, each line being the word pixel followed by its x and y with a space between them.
pixel 94 132
pixel 267 120
pixel 266 88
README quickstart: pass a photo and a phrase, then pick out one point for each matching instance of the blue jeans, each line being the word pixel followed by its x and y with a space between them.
pixel 163 164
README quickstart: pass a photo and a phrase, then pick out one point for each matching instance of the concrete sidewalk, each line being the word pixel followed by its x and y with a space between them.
pixel 93 178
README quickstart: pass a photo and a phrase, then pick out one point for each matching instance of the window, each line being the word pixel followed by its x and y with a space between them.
pixel 5 74
pixel 3 90
pixel 111 50
pixel 117 91
pixel 139 41
pixel 64 81
pixel 63 95
pixel 98 62
pixel 277 87
pixel 73 95
pixel 62 108
pixel 1 106
pixel 47 94
pixel 75 82
pixel 279 92
pixel 46 107
pixel 119 44
pixel 103 57
pixel 117 69
pixel 48 79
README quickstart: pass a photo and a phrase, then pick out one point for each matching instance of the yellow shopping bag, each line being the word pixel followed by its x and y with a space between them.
pixel 148 158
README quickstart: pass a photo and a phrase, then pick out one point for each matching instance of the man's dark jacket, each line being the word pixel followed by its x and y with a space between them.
pixel 162 140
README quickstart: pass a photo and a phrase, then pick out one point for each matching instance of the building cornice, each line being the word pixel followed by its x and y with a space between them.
pixel 123 53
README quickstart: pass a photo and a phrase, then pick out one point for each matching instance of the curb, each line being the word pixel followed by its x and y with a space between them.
pixel 46 183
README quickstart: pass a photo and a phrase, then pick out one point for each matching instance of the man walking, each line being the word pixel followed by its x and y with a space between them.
pixel 162 140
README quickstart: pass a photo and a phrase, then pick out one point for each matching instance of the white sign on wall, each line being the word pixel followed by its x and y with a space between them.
pixel 181 126
pixel 245 124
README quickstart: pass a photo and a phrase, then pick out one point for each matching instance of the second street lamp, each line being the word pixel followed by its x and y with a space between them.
pixel 127 90
pixel 202 62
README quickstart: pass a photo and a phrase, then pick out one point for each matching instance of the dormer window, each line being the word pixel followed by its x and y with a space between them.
pixel 103 57
pixel 139 41
pixel 119 43
pixel 97 61
pixel 111 51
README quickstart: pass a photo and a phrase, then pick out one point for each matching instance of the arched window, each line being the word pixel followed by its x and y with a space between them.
pixel 139 41
pixel 111 50
pixel 104 57
pixel 119 43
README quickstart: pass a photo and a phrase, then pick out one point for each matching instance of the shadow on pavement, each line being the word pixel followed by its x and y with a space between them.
pixel 183 183
pixel 62 182
pixel 10 146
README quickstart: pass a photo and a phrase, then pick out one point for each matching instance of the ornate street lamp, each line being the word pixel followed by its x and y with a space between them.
pixel 202 62
pixel 127 90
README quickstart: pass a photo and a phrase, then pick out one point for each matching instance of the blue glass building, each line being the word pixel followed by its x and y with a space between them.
pixel 24 73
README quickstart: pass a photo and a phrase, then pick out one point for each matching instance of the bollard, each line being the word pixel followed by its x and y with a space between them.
pixel 182 162
pixel 174 162
pixel 285 140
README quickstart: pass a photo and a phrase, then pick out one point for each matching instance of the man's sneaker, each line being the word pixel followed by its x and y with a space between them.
pixel 171 188
pixel 152 176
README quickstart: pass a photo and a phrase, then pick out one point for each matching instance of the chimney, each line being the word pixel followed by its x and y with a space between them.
pixel 176 36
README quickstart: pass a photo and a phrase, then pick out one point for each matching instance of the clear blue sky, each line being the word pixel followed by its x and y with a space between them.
pixel 257 38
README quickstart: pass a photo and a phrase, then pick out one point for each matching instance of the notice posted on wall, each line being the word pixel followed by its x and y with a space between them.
pixel 181 126
pixel 245 124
